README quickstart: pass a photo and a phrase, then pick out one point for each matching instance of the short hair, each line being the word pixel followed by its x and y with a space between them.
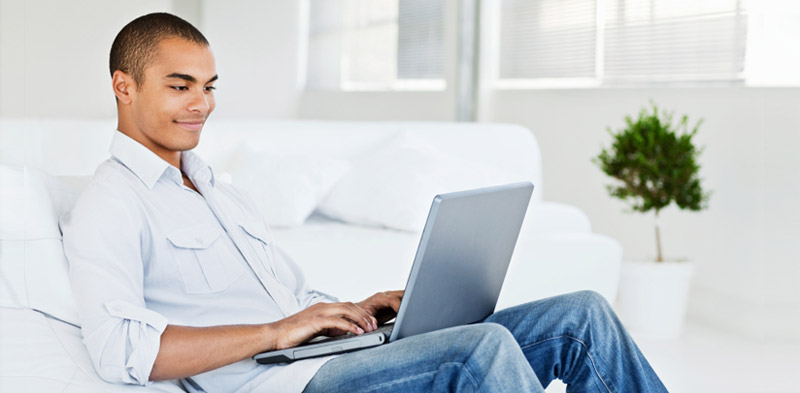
pixel 136 44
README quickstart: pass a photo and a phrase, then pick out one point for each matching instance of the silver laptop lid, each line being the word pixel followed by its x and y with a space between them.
pixel 462 258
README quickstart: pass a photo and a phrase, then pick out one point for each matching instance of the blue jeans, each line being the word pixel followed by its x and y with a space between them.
pixel 575 337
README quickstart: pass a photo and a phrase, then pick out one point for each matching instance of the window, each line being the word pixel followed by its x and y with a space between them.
pixel 621 42
pixel 357 45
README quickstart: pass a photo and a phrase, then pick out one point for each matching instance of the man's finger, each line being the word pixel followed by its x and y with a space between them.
pixel 369 315
pixel 394 303
pixel 398 293
pixel 390 299
pixel 351 312
pixel 343 324
pixel 367 320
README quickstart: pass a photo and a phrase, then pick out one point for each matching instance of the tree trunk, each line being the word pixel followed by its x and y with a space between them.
pixel 659 257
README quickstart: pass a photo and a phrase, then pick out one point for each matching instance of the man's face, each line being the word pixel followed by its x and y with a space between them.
pixel 177 96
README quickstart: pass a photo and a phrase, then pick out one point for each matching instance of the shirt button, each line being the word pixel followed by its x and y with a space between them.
pixel 198 240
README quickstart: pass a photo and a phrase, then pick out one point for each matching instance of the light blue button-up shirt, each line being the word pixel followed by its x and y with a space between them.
pixel 144 250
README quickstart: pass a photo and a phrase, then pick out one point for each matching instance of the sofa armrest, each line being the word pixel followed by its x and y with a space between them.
pixel 546 265
pixel 554 217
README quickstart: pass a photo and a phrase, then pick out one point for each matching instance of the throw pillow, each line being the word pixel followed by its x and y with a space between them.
pixel 285 189
pixel 32 261
pixel 393 186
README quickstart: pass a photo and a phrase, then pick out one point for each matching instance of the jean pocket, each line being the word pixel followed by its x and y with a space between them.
pixel 204 258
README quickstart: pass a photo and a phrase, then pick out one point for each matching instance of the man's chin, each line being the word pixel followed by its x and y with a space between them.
pixel 188 139
pixel 189 145
pixel 189 142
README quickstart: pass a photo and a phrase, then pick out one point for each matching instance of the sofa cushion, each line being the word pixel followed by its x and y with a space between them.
pixel 41 354
pixel 27 211
pixel 383 259
pixel 286 189
pixel 394 185
pixel 32 261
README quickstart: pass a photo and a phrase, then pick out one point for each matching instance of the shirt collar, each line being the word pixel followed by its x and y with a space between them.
pixel 149 167
pixel 197 170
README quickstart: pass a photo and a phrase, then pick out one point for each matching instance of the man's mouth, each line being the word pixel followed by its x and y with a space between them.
pixel 190 125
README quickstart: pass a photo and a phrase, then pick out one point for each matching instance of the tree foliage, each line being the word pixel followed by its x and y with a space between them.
pixel 655 163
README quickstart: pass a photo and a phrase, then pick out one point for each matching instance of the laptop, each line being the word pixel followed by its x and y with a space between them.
pixel 458 271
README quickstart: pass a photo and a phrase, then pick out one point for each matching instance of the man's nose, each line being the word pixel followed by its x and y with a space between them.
pixel 199 102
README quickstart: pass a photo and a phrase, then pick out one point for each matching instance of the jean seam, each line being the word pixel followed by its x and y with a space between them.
pixel 425 374
pixel 468 372
pixel 401 380
pixel 585 347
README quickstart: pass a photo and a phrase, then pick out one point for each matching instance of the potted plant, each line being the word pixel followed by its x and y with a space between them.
pixel 654 162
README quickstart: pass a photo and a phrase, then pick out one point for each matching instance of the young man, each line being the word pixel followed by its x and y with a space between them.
pixel 177 276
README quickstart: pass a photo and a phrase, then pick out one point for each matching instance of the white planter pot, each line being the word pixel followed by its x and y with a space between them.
pixel 652 297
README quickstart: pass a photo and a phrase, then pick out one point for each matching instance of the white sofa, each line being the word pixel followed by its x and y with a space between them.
pixel 352 197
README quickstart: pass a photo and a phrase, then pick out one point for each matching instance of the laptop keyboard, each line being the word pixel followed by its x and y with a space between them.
pixel 385 330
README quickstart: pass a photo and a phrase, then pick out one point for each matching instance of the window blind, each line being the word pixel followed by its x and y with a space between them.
pixel 547 39
pixel 420 44
pixel 674 40
pixel 623 41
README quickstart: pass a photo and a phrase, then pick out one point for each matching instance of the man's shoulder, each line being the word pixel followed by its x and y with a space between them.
pixel 110 180
pixel 109 190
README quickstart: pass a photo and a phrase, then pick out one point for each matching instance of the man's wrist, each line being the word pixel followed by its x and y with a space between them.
pixel 268 337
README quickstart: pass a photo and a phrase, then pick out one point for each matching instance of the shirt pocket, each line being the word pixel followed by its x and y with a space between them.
pixel 259 239
pixel 206 261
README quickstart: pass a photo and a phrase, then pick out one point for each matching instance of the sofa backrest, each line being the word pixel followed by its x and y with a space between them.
pixel 76 147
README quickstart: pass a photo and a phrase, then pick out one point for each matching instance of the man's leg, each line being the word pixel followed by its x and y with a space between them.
pixel 475 358
pixel 579 339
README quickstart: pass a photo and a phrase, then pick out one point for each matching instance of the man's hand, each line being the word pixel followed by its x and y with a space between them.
pixel 335 319
pixel 326 319
pixel 383 305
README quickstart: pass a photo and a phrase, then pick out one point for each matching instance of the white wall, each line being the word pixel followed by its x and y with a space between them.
pixel 255 44
pixel 54 54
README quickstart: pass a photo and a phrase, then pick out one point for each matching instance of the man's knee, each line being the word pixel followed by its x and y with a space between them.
pixel 485 356
pixel 495 332
pixel 591 299
pixel 480 337
pixel 592 307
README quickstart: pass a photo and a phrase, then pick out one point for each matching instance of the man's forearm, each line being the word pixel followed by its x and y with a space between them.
pixel 187 351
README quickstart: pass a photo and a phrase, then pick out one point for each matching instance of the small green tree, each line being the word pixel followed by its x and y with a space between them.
pixel 655 163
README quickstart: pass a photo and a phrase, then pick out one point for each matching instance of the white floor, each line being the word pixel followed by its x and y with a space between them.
pixel 709 360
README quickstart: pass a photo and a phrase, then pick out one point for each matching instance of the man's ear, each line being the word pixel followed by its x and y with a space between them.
pixel 122 84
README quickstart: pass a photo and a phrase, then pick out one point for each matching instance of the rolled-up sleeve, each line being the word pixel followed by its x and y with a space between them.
pixel 127 343
pixel 103 241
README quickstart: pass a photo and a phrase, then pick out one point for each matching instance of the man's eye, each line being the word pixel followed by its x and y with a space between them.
pixel 210 88
pixel 180 88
